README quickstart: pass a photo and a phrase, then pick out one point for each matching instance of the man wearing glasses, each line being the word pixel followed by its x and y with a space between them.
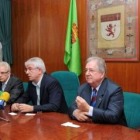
pixel 43 90
pixel 10 83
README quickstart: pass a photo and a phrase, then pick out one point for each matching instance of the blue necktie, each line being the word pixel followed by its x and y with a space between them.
pixel 93 100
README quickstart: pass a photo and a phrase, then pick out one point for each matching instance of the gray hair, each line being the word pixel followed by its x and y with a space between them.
pixel 37 62
pixel 101 66
pixel 2 63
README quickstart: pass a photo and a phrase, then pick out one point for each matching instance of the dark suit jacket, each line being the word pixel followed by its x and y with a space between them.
pixel 14 87
pixel 109 104
pixel 51 96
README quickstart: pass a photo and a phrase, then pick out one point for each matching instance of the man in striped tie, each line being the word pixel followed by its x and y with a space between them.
pixel 99 100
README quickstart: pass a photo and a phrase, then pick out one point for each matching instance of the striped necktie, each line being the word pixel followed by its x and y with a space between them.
pixel 94 96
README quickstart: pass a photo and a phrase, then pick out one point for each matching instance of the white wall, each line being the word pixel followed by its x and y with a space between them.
pixel 0 51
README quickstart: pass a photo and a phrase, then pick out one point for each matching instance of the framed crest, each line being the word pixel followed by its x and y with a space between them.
pixel 112 29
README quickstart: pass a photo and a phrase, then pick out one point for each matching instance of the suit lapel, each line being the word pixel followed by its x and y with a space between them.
pixel 8 85
pixel 34 94
pixel 101 92
pixel 41 87
pixel 0 86
pixel 87 94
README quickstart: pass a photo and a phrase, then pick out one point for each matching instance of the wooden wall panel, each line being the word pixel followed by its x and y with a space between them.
pixel 25 33
pixel 53 23
pixel 81 10
pixel 39 28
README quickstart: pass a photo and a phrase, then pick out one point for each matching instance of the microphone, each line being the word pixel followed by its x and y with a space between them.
pixel 4 97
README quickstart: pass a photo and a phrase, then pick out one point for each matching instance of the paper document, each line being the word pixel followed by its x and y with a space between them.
pixel 70 124
pixel 30 114
pixel 12 113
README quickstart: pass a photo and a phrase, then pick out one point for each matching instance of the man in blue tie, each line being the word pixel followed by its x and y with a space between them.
pixel 99 100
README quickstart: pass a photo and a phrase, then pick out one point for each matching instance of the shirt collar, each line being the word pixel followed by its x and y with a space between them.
pixel 97 88
pixel 6 81
pixel 39 82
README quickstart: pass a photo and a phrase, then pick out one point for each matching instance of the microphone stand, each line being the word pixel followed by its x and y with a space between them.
pixel 3 115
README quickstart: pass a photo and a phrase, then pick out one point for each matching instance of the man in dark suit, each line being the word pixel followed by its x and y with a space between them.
pixel 10 83
pixel 107 104
pixel 43 90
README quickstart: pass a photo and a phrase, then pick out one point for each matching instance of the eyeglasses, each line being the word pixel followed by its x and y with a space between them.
pixel 29 69
pixel 2 73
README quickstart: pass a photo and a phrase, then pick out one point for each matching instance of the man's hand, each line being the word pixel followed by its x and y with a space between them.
pixel 82 104
pixel 15 107
pixel 81 116
pixel 25 108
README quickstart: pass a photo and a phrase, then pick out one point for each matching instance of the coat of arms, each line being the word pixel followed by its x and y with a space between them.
pixel 110 26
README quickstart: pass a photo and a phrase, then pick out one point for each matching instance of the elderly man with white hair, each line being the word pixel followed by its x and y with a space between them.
pixel 10 83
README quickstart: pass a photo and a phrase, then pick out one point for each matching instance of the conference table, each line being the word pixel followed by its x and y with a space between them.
pixel 47 126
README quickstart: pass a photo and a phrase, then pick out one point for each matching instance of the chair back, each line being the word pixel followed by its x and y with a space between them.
pixel 69 82
pixel 25 85
pixel 132 109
